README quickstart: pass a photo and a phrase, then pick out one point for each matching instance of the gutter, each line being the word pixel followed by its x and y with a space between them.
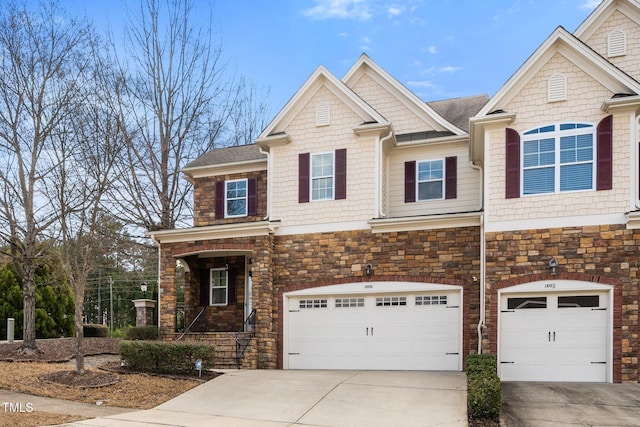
pixel 483 258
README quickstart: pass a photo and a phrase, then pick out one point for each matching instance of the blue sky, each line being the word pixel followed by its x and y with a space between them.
pixel 439 49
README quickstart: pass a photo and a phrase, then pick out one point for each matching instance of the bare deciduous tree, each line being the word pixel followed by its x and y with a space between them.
pixel 44 61
pixel 173 103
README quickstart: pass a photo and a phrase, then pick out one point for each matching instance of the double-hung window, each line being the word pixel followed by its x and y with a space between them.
pixel 558 158
pixel 430 180
pixel 322 176
pixel 236 198
pixel 219 286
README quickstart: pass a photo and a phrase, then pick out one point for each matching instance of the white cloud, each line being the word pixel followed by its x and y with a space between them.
pixel 432 49
pixel 394 10
pixel 339 9
pixel 590 4
pixel 450 69
pixel 421 84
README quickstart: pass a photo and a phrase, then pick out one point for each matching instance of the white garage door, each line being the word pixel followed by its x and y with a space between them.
pixel 417 330
pixel 554 336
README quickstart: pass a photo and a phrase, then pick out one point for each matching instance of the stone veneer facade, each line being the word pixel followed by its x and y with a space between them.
pixel 606 254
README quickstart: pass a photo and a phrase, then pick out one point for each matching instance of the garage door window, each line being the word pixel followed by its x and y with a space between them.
pixel 390 301
pixel 312 303
pixel 526 303
pixel 349 302
pixel 431 300
pixel 574 301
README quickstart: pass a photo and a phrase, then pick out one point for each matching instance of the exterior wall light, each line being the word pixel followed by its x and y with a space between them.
pixel 368 269
pixel 553 266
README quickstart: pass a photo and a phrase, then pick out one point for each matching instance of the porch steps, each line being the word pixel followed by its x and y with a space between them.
pixel 225 345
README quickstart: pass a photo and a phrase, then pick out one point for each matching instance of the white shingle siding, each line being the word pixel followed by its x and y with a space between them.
pixel 585 96
pixel 468 181
pixel 306 137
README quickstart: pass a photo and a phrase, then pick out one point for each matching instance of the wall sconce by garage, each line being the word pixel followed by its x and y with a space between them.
pixel 553 266
pixel 143 288
pixel 368 269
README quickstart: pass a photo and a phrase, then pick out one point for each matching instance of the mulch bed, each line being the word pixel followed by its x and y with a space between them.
pixel 88 379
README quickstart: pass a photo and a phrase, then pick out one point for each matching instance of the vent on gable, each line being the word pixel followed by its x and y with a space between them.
pixel 557 88
pixel 617 43
pixel 323 114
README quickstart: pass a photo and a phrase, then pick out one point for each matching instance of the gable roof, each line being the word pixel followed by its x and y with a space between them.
pixel 575 51
pixel 365 65
pixel 630 8
pixel 226 155
pixel 321 78
pixel 458 110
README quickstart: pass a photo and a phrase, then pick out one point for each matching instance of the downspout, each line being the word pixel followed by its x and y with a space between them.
pixel 483 257
pixel 269 181
pixel 380 160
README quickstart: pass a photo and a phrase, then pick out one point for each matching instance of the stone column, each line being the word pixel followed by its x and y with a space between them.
pixel 144 311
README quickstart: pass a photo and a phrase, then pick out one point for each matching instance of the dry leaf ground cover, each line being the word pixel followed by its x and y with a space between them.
pixel 130 390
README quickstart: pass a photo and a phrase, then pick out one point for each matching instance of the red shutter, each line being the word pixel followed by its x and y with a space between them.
pixel 304 160
pixel 409 182
pixel 219 199
pixel 341 173
pixel 512 172
pixel 252 196
pixel 451 177
pixel 604 173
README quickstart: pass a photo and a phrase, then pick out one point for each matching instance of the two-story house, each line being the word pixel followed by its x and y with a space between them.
pixel 367 229
pixel 351 227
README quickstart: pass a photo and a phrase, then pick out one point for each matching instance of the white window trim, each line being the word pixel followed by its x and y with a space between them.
pixel 556 134
pixel 246 198
pixel 225 287
pixel 443 179
pixel 332 176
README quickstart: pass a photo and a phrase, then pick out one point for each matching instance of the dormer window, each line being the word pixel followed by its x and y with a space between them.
pixel 557 88
pixel 323 114
pixel 617 43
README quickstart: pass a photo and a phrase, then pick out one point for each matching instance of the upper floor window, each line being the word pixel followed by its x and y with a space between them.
pixel 236 198
pixel 558 158
pixel 219 286
pixel 322 168
pixel 322 176
pixel 431 180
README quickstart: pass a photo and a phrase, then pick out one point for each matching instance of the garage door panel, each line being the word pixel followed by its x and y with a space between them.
pixel 554 337
pixel 382 332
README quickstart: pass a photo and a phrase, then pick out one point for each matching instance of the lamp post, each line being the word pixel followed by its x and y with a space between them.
pixel 143 288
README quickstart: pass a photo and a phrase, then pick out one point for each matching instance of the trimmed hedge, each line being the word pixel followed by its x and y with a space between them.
pixel 165 357
pixel 142 333
pixel 95 331
pixel 484 393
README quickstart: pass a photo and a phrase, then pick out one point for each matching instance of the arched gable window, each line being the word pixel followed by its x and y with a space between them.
pixel 557 88
pixel 323 114
pixel 617 43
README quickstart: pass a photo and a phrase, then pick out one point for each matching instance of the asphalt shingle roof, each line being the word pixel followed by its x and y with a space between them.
pixel 221 156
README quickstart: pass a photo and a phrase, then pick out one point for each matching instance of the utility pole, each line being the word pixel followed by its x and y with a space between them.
pixel 111 302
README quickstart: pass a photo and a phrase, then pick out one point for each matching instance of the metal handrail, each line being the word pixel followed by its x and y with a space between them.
pixel 188 328
pixel 241 347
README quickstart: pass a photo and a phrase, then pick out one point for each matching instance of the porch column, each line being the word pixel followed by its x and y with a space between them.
pixel 144 311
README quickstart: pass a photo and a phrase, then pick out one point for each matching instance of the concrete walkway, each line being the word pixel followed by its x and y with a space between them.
pixel 275 398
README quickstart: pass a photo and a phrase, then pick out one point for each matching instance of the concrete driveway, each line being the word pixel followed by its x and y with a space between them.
pixel 586 404
pixel 274 398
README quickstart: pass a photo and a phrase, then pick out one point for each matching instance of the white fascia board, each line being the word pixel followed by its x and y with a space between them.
pixel 477 127
pixel 575 51
pixel 431 222
pixel 213 232
pixel 377 287
pixel 604 10
pixel 226 168
pixel 321 228
pixel 633 220
pixel 322 77
pixel 433 141
pixel 276 140
pixel 621 104
pixel 412 102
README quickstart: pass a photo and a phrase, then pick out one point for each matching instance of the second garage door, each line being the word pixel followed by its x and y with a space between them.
pixel 416 329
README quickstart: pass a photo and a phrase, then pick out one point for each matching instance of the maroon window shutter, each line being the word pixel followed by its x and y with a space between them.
pixel 219 202
pixel 451 177
pixel 409 182
pixel 604 173
pixel 512 173
pixel 205 281
pixel 304 160
pixel 252 196
pixel 232 275
pixel 341 173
